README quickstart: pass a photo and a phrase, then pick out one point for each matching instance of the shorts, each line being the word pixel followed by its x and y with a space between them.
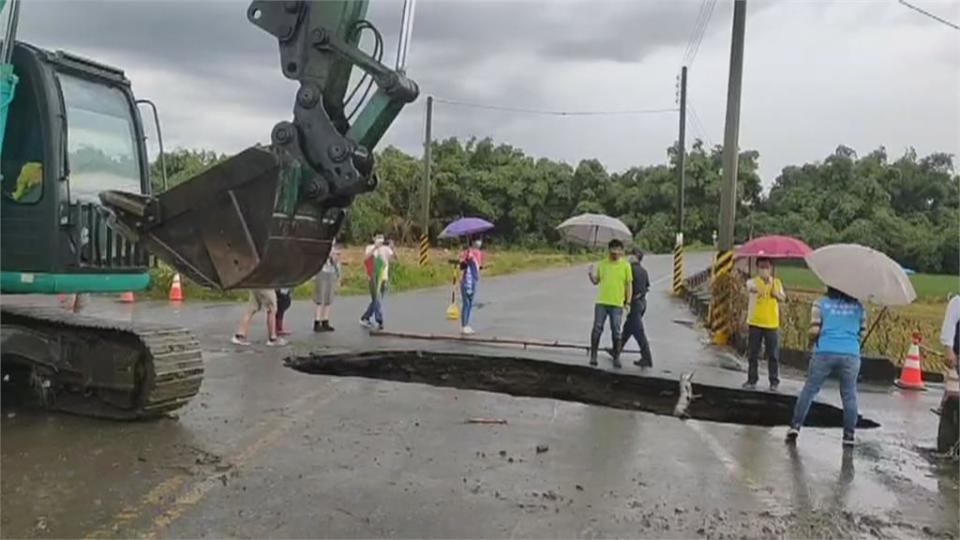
pixel 323 287
pixel 262 299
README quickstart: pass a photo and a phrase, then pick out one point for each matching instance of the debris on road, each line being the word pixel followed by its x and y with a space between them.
pixel 686 395
pixel 478 420
pixel 541 448
pixel 579 487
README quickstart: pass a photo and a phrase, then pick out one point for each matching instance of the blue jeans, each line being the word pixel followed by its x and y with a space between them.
pixel 847 367
pixel 375 308
pixel 600 314
pixel 466 300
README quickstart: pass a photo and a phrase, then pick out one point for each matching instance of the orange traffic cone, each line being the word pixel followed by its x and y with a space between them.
pixel 126 297
pixel 176 289
pixel 910 374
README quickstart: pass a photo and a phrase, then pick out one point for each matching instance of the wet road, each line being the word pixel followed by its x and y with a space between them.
pixel 264 451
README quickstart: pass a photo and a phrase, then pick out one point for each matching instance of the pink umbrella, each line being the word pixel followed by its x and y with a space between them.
pixel 774 247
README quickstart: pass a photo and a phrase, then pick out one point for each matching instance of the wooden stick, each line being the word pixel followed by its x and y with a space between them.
pixel 485 421
pixel 492 339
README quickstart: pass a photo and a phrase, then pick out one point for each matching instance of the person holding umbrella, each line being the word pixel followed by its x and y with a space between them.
pixel 852 274
pixel 613 278
pixel 471 261
pixel 837 321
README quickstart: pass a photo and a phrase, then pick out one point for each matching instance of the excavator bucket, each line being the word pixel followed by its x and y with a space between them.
pixel 238 225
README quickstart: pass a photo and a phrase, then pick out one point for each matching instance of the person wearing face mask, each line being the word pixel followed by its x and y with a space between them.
pixel 763 318
pixel 614 278
pixel 471 261
pixel 633 327
pixel 376 262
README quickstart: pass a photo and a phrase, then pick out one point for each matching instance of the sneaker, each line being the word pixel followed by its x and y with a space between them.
pixel 325 326
pixel 466 330
pixel 643 363
pixel 278 342
pixel 317 327
pixel 792 435
pixel 593 360
pixel 774 387
pixel 380 327
pixel 365 323
pixel 237 339
pixel 849 440
pixel 749 386
pixel 616 363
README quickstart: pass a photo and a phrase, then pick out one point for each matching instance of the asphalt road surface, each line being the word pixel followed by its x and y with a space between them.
pixel 266 451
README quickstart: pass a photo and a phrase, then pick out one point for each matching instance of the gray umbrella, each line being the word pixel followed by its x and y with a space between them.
pixel 864 273
pixel 594 230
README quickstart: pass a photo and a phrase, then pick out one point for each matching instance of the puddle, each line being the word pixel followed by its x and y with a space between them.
pixel 541 379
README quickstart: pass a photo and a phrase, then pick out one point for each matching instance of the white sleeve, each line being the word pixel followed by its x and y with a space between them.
pixel 950 319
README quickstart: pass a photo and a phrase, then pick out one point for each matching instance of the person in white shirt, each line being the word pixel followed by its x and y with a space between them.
pixel 950 332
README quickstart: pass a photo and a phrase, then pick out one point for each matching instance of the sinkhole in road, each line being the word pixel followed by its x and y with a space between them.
pixel 526 377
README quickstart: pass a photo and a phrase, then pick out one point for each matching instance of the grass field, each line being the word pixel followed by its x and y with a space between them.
pixel 405 274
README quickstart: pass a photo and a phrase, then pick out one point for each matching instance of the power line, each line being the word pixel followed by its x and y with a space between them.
pixel 693 32
pixel 703 32
pixel 698 125
pixel 546 112
pixel 931 15
pixel 699 31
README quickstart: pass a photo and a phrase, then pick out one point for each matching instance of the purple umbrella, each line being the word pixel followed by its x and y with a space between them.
pixel 465 227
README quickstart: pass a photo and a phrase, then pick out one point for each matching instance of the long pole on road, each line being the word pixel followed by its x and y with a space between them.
pixel 731 134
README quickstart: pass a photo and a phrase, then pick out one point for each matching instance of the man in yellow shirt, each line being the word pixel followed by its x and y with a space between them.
pixel 763 318
pixel 614 279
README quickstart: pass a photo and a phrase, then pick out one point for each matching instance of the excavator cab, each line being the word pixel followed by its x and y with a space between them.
pixel 73 130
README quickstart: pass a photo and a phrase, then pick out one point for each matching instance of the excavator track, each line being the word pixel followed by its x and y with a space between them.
pixel 99 367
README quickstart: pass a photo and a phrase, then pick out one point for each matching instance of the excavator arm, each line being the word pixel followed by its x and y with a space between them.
pixel 266 217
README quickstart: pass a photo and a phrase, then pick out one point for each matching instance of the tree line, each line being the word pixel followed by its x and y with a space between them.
pixel 908 207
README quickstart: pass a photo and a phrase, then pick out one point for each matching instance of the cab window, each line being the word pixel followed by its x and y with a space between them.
pixel 101 139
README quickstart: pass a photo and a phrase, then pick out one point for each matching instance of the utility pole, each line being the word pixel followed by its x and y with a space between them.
pixel 683 147
pixel 731 134
pixel 425 223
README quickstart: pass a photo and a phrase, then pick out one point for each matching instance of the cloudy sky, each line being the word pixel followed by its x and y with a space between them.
pixel 817 74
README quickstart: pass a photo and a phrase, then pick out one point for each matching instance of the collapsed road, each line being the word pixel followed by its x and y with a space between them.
pixel 265 451
pixel 527 377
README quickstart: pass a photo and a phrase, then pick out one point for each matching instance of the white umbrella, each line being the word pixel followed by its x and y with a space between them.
pixel 864 273
pixel 593 230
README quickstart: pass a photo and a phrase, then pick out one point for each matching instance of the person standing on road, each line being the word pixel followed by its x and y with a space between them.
pixel 613 277
pixel 265 299
pixel 471 261
pixel 836 323
pixel 325 284
pixel 284 301
pixel 950 333
pixel 377 257
pixel 633 327
pixel 763 318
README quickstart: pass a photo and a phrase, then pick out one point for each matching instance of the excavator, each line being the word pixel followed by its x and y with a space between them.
pixel 78 215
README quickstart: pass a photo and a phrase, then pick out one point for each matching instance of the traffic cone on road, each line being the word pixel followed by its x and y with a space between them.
pixel 176 289
pixel 126 297
pixel 911 377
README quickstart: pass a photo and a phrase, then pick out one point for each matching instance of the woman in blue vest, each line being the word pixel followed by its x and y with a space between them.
pixel 837 321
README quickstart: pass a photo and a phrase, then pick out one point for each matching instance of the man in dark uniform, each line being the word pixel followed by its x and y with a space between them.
pixel 633 327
